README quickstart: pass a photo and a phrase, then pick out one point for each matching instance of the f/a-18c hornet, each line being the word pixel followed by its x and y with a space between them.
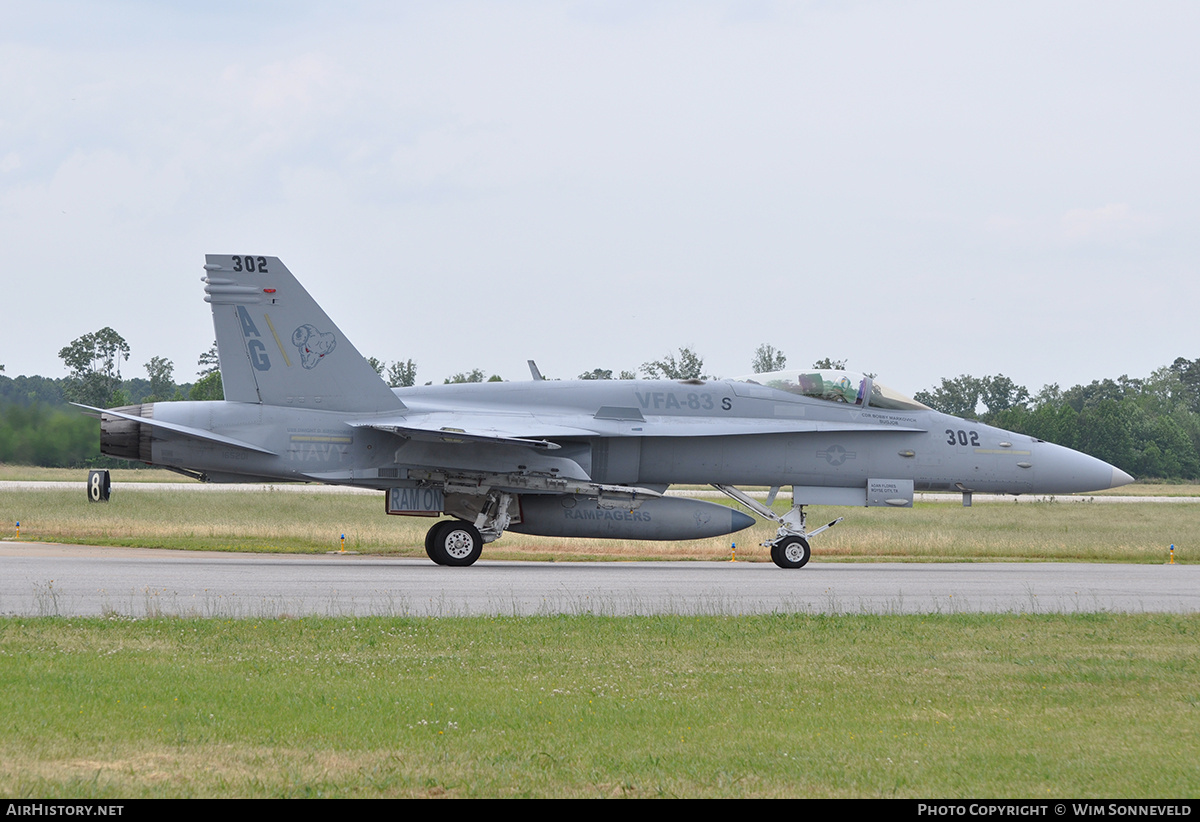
pixel 561 458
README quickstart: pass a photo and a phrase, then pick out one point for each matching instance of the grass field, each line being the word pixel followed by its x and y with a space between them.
pixel 791 705
pixel 945 706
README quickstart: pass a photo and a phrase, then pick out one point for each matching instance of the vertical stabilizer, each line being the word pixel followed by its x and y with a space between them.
pixel 278 347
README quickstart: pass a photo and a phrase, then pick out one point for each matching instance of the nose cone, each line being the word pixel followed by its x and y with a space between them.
pixel 1063 471
pixel 739 521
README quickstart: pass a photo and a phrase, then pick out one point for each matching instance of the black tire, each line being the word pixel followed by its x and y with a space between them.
pixel 455 543
pixel 791 552
pixel 430 536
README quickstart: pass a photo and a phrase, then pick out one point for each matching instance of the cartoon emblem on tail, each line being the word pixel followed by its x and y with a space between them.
pixel 312 344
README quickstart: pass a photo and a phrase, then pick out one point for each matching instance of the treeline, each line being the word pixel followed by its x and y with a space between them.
pixel 1148 427
pixel 27 391
pixel 38 427
pixel 52 436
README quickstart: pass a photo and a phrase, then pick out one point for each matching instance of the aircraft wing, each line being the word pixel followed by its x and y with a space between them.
pixel 535 431
pixel 722 427
pixel 454 427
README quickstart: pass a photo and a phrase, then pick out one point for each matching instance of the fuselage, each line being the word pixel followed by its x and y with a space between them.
pixel 640 433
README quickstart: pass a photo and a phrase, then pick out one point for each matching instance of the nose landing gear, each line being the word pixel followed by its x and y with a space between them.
pixel 789 548
pixel 791 552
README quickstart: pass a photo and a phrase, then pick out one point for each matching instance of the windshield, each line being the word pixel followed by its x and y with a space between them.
pixel 835 386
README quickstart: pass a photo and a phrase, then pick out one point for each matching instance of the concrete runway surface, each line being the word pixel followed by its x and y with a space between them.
pixel 70 580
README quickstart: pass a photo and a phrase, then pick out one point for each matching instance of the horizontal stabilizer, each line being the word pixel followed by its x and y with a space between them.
pixel 183 430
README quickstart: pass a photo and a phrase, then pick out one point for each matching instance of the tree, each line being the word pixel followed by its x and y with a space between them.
pixel 1188 372
pixel 959 396
pixel 25 390
pixel 474 375
pixel 162 384
pixel 999 393
pixel 1105 432
pixel 1162 448
pixel 689 366
pixel 209 362
pixel 828 364
pixel 1057 423
pixel 1050 396
pixel 98 352
pixel 208 387
pixel 95 363
pixel 1080 397
pixel 402 374
pixel 44 435
pixel 399 374
pixel 767 358
pixel 597 374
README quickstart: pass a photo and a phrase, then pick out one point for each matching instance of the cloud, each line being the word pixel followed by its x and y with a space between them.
pixel 1112 222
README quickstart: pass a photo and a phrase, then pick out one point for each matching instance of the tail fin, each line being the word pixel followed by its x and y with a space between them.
pixel 277 346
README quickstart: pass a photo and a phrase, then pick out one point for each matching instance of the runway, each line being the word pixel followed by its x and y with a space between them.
pixel 66 580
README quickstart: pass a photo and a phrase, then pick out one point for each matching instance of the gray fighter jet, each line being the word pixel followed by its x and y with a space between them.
pixel 568 459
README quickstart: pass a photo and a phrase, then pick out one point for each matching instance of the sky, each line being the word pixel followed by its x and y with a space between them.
pixel 924 189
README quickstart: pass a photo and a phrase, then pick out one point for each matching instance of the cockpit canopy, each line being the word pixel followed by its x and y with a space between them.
pixel 836 386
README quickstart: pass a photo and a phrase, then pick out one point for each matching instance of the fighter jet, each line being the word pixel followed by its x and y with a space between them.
pixel 561 458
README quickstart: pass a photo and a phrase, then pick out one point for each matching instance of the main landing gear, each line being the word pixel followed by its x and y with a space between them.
pixel 457 542
pixel 789 548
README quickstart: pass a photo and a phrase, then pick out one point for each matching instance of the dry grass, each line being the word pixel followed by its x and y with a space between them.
pixel 33 473
pixel 1153 489
pixel 291 521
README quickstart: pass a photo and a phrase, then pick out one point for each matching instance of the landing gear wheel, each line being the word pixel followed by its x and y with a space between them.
pixel 454 543
pixel 791 552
